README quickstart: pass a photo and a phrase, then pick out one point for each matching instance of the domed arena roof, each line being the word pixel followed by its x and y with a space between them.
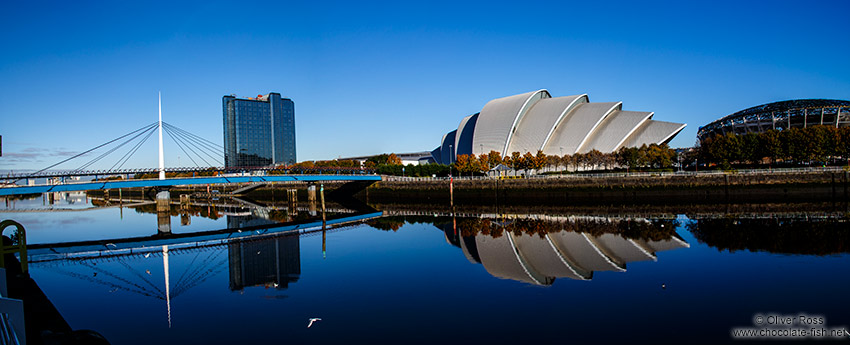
pixel 797 113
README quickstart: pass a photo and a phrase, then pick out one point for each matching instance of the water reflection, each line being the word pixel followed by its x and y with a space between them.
pixel 269 263
pixel 537 251
pixel 806 236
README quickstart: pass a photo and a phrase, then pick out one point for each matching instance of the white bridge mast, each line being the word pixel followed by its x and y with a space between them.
pixel 161 159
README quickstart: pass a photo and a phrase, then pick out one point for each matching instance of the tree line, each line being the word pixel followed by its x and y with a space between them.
pixel 632 158
pixel 644 157
pixel 793 146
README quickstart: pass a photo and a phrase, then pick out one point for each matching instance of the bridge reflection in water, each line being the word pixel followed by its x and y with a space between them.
pixel 540 250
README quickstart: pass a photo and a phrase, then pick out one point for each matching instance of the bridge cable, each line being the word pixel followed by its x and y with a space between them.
pixel 209 143
pixel 181 146
pixel 98 158
pixel 200 145
pixel 132 151
pixel 85 152
pixel 178 141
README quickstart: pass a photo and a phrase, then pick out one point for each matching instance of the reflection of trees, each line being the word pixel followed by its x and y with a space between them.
pixel 787 236
pixel 386 224
pixel 194 211
pixel 655 230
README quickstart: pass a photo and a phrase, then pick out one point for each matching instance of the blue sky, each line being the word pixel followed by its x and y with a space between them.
pixel 372 77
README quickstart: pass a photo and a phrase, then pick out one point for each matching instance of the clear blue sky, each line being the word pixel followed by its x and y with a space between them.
pixel 372 77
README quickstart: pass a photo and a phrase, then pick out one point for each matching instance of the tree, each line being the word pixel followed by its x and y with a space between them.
pixel 392 159
pixel 467 164
pixel 528 162
pixel 593 158
pixel 770 146
pixel 494 158
pixel 553 161
pixel 538 161
pixel 566 161
pixel 629 157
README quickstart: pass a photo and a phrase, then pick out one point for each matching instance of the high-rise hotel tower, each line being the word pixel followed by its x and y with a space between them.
pixel 258 131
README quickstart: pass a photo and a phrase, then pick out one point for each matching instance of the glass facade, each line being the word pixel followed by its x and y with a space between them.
pixel 258 131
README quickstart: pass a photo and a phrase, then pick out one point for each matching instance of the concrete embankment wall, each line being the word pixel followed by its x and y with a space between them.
pixel 759 188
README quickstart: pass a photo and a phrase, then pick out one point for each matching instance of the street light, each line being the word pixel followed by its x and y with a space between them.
pixel 562 156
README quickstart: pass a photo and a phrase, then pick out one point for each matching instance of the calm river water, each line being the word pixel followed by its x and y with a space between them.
pixel 416 275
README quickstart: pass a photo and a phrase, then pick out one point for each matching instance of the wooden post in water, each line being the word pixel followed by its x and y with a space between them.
pixel 451 191
pixel 322 196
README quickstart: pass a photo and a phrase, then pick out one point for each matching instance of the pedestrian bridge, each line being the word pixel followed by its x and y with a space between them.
pixel 187 181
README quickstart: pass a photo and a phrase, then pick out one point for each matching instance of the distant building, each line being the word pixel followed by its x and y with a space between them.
pixel 797 113
pixel 258 131
pixel 415 158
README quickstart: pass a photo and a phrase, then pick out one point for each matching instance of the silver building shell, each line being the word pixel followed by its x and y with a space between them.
pixel 535 121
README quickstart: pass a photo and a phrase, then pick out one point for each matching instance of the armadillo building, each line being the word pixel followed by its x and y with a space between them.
pixel 536 121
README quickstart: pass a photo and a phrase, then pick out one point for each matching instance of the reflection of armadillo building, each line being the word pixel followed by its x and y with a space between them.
pixel 273 262
pixel 539 260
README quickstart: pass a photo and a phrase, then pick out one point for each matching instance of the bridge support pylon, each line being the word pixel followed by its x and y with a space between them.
pixel 163 212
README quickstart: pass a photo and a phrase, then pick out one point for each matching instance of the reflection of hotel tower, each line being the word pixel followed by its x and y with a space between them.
pixel 539 260
pixel 273 262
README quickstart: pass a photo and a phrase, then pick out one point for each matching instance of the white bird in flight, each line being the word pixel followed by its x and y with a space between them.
pixel 313 320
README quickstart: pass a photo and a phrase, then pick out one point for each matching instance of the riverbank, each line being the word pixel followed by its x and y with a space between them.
pixel 622 188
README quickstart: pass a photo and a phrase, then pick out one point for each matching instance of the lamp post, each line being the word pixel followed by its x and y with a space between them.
pixel 562 157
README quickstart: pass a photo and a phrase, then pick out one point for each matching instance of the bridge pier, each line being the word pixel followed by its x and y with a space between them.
pixel 185 202
pixel 311 198
pixel 292 201
pixel 163 212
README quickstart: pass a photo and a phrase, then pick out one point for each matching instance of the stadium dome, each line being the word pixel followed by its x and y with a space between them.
pixel 535 121
pixel 798 113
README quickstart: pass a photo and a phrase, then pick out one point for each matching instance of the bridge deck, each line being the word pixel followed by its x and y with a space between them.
pixel 73 187
pixel 59 251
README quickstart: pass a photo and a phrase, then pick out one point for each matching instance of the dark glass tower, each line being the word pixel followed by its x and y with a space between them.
pixel 258 131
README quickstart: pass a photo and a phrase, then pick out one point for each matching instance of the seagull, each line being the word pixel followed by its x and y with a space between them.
pixel 313 320
pixel 148 272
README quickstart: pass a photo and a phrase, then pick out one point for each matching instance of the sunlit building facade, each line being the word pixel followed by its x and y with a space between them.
pixel 258 131
pixel 536 121
pixel 798 113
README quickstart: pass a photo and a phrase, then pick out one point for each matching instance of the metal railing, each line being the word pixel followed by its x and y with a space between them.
pixel 519 174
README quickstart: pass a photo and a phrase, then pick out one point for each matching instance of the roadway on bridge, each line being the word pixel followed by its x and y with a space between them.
pixel 74 187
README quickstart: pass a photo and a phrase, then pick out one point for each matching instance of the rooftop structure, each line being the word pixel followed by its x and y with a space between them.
pixel 798 113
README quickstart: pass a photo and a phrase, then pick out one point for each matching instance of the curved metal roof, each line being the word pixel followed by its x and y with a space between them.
pixel 654 132
pixel 573 132
pixel 614 130
pixel 498 119
pixel 447 152
pixel 540 121
pixel 534 121
pixel 463 138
